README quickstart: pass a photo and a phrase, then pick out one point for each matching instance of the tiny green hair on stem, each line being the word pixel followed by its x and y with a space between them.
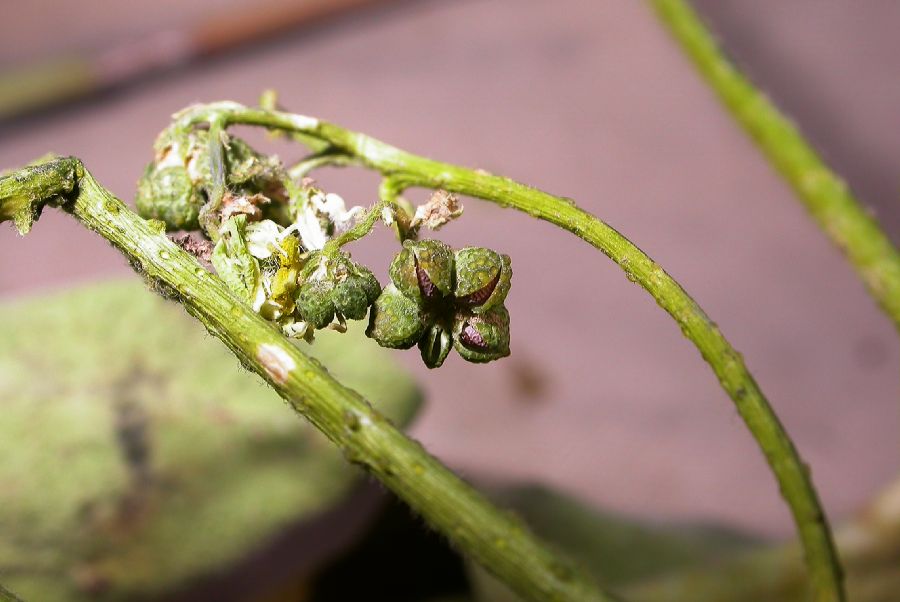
pixel 826 196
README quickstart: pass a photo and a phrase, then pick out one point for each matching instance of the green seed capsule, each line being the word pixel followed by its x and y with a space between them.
pixel 483 278
pixel 434 345
pixel 423 271
pixel 395 320
pixel 482 337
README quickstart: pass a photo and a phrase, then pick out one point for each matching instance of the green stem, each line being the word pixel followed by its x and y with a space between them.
pixel 406 170
pixel 495 539
pixel 302 168
pixel 218 174
pixel 825 195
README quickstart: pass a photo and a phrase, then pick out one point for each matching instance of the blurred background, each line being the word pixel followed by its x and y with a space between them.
pixel 602 396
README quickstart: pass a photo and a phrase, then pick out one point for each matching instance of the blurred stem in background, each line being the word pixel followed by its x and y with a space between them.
pixel 8 596
pixel 825 195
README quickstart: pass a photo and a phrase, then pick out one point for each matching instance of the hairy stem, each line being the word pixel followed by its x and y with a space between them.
pixel 495 539
pixel 825 195
pixel 407 170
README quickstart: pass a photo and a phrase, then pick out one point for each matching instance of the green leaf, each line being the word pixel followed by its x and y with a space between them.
pixel 233 261
pixel 136 455
pixel 615 549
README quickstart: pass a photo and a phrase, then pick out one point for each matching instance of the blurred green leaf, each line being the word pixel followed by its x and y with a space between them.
pixel 617 550
pixel 136 455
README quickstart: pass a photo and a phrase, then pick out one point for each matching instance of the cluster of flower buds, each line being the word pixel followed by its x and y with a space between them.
pixel 440 299
pixel 175 185
pixel 275 248
pixel 289 274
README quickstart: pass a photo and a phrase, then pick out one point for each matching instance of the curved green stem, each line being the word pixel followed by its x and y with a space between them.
pixel 825 195
pixel 406 170
pixel 495 539
pixel 302 168
pixel 218 175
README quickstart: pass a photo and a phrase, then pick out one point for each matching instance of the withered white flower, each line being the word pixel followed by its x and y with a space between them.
pixel 264 238
pixel 322 217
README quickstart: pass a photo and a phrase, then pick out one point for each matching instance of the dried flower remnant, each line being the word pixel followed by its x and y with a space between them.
pixel 441 208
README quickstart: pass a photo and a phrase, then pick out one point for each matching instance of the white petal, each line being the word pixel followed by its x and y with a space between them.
pixel 310 230
pixel 263 238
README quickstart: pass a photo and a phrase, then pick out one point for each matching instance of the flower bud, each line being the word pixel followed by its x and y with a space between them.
pixel 423 271
pixel 395 320
pixel 434 345
pixel 482 337
pixel 170 189
pixel 335 285
pixel 174 186
pixel 314 303
pixel 483 278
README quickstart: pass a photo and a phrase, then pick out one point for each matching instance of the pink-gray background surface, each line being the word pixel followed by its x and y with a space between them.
pixel 602 396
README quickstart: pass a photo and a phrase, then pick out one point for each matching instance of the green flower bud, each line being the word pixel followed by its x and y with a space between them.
pixel 314 303
pixel 423 271
pixel 483 278
pixel 174 186
pixel 168 194
pixel 335 285
pixel 170 189
pixel 482 337
pixel 395 320
pixel 350 299
pixel 434 345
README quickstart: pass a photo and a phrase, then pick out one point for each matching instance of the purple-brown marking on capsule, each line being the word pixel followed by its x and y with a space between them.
pixel 480 297
pixel 470 337
pixel 429 289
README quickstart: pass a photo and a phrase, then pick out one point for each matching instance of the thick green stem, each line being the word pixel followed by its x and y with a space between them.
pixel 825 195
pixel 406 170
pixel 495 539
